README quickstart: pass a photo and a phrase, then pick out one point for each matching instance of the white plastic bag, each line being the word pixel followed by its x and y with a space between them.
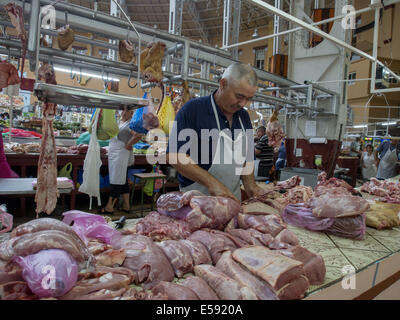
pixel 91 167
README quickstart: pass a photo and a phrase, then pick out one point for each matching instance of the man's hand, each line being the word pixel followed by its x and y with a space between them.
pixel 220 190
pixel 255 191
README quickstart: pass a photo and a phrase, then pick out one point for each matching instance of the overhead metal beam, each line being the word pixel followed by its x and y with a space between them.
pixel 319 32
pixel 193 12
pixel 226 23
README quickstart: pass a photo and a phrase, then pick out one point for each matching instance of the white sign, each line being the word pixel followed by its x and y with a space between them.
pixel 299 152
pixel 311 128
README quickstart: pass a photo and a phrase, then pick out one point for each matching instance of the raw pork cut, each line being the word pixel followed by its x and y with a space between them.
pixel 336 206
pixel 103 294
pixel 216 244
pixel 256 207
pixel 200 287
pixel 314 265
pixel 10 272
pixel 178 255
pixel 270 224
pixel 284 275
pixel 109 281
pixel 47 239
pixel 289 183
pixel 159 227
pixel 285 239
pixel 245 278
pixel 47 192
pixel 174 291
pixel 16 290
pixel 111 257
pixel 387 191
pixel 102 270
pixel 146 260
pixel 333 183
pixel 252 236
pixel 198 251
pixel 225 287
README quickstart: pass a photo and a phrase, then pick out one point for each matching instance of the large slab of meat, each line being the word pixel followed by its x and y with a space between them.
pixel 200 287
pixel 385 191
pixel 198 251
pixel 284 275
pixel 175 291
pixel 47 192
pixel 198 210
pixel 160 227
pixel 274 131
pixel 47 239
pixel 314 265
pixel 383 215
pixel 257 207
pixel 146 260
pixel 225 287
pixel 252 237
pixel 333 185
pixel 337 206
pixel 178 255
pixel 215 243
pixel 244 277
pixel 270 224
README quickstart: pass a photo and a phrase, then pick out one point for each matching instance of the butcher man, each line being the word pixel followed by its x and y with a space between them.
pixel 388 157
pixel 210 163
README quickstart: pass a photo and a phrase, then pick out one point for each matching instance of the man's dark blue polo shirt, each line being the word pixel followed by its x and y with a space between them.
pixel 198 114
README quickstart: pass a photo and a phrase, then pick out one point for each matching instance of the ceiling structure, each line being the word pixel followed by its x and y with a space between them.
pixel 201 19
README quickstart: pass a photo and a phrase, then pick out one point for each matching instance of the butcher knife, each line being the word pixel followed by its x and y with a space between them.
pixel 120 223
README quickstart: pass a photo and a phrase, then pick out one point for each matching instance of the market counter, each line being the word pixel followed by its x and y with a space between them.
pixel 24 160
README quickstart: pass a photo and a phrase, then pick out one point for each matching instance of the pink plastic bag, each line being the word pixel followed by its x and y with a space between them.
pixel 49 273
pixel 88 225
pixel 349 227
pixel 6 221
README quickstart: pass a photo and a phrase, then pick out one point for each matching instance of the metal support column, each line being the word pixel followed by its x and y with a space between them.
pixel 175 16
pixel 113 12
pixel 226 23
pixel 276 28
pixel 236 27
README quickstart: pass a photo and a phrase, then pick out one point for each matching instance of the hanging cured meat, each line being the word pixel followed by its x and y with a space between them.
pixel 16 15
pixel 47 192
pixel 126 52
pixel 8 75
pixel 65 37
pixel 151 61
pixel 274 131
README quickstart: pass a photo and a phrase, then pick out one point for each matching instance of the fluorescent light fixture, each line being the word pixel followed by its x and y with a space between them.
pixel 86 74
pixel 360 126
pixel 390 123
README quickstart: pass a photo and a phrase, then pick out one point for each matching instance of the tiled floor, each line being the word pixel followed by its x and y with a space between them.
pixel 339 252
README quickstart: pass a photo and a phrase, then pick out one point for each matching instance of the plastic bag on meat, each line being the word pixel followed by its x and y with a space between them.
pixel 144 119
pixel 49 273
pixel 88 225
pixel 274 131
pixel 349 227
pixel 6 220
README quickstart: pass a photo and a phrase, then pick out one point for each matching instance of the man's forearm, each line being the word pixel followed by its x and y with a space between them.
pixel 189 169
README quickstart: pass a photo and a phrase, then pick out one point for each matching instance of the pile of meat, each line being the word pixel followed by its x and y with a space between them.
pixel 332 208
pixel 289 183
pixel 385 191
pixel 274 131
pixel 35 148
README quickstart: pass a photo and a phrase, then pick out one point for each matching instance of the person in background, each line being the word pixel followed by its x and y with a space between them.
pixel 388 157
pixel 120 157
pixel 264 154
pixel 355 148
pixel 281 161
pixel 368 163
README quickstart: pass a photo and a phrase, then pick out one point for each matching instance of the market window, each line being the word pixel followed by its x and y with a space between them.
pixel 259 54
pixel 352 77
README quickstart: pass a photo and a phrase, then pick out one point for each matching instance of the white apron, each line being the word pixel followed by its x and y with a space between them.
pixel 225 173
pixel 370 170
pixel 387 165
pixel 119 158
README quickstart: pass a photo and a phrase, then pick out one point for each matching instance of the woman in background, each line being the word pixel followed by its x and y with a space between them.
pixel 368 163
pixel 120 157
